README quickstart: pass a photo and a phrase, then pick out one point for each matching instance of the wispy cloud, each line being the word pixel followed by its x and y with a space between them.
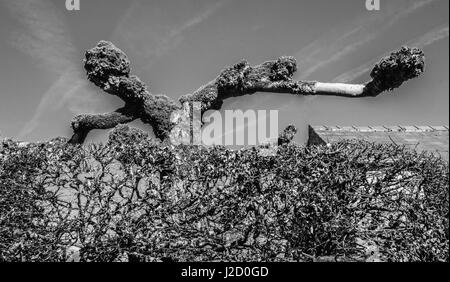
pixel 42 33
pixel 198 19
pixel 426 39
pixel 345 40
pixel 69 90
pixel 43 36
pixel 340 43
pixel 152 40
pixel 430 37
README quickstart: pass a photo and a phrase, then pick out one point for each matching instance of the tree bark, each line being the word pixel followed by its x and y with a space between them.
pixel 276 77
pixel 109 68
pixel 83 124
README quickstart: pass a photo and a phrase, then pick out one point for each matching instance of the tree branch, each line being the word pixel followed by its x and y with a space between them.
pixel 109 68
pixel 83 124
pixel 276 77
pixel 287 135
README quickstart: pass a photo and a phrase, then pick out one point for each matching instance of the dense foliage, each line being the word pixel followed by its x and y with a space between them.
pixel 140 201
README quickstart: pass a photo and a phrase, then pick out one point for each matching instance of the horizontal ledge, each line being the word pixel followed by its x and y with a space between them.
pixel 382 128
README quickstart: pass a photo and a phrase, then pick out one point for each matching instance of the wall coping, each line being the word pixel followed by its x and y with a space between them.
pixel 382 128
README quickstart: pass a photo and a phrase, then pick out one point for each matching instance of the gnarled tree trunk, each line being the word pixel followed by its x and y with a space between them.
pixel 109 68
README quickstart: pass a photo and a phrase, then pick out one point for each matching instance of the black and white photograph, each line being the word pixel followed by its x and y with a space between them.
pixel 242 134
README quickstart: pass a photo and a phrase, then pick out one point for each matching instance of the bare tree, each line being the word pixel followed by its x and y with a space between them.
pixel 109 68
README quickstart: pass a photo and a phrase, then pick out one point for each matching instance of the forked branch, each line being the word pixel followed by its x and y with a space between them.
pixel 109 68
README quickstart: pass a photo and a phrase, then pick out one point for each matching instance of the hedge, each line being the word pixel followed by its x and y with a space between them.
pixel 142 201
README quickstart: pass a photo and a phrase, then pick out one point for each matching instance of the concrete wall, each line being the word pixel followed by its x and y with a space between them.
pixel 422 138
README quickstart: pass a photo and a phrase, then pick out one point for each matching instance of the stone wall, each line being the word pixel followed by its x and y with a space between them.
pixel 433 139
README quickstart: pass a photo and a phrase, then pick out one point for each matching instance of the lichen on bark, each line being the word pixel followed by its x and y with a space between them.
pixel 109 68
pixel 392 71
pixel 287 135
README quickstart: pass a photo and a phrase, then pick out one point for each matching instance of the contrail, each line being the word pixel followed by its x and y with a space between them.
pixel 152 42
pixel 43 37
pixel 428 38
pixel 342 42
pixel 327 50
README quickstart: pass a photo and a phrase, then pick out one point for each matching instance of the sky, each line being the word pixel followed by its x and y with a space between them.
pixel 176 46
